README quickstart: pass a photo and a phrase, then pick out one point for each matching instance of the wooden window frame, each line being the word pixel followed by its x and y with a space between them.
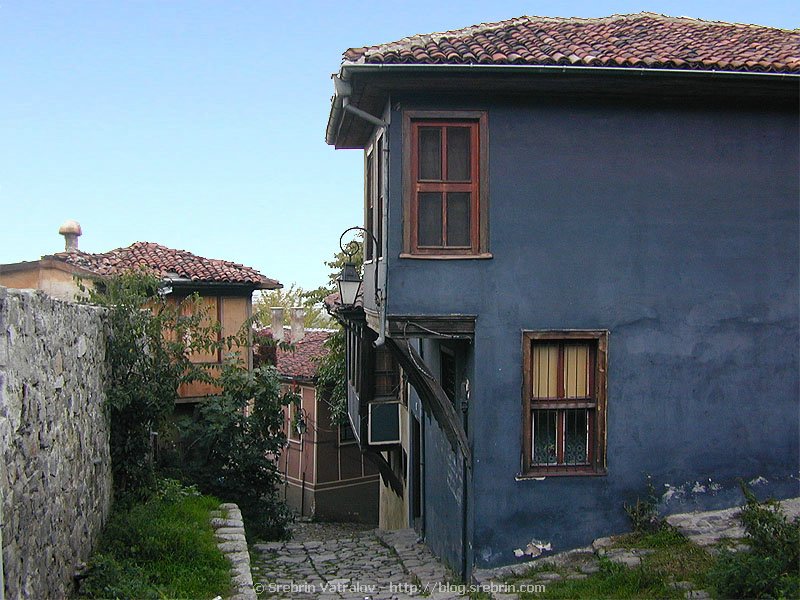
pixel 292 435
pixel 373 198
pixel 598 416
pixel 478 187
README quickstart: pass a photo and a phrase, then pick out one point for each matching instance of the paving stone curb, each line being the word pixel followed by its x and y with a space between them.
pixel 229 531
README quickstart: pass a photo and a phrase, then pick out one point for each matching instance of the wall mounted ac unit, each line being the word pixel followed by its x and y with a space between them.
pixel 383 426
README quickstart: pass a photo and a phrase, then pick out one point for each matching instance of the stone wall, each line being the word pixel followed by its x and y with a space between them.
pixel 55 473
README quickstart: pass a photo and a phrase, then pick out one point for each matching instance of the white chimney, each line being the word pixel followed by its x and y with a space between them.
pixel 277 323
pixel 71 230
pixel 298 328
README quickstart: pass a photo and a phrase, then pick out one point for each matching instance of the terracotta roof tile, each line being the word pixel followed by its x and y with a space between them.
pixel 640 40
pixel 302 362
pixel 166 262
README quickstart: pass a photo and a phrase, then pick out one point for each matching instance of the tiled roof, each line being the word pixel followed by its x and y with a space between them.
pixel 166 262
pixel 640 40
pixel 302 362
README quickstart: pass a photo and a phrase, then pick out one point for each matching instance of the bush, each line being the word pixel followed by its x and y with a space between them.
pixel 148 354
pixel 230 447
pixel 771 567
pixel 163 547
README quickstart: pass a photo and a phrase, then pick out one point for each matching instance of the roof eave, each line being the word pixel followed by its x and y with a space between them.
pixel 350 69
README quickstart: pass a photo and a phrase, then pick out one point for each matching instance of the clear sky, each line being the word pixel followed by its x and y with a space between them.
pixel 200 124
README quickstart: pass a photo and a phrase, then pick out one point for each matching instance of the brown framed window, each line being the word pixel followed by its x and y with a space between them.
pixel 564 402
pixel 373 199
pixel 386 374
pixel 445 184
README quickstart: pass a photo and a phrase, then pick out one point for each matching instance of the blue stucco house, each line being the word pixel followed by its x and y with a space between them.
pixel 581 271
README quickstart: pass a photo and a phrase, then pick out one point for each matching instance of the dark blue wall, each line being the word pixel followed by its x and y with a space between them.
pixel 674 227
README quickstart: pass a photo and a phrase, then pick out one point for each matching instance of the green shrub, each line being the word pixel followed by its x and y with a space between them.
pixel 148 354
pixel 163 547
pixel 230 447
pixel 771 567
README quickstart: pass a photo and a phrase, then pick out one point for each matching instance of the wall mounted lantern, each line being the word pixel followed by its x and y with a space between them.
pixel 349 281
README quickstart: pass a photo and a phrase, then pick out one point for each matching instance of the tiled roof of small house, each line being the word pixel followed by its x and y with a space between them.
pixel 639 40
pixel 302 362
pixel 166 262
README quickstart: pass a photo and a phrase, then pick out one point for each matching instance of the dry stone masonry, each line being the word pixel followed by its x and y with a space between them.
pixel 55 473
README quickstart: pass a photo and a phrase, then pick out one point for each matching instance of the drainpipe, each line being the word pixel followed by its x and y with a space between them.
pixel 382 263
pixel 362 113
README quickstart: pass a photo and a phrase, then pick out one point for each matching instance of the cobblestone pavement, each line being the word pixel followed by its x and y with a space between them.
pixel 344 560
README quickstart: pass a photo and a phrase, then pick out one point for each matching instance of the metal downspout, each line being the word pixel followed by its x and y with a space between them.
pixel 383 267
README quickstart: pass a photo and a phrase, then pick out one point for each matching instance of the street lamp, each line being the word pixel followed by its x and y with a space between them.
pixel 349 281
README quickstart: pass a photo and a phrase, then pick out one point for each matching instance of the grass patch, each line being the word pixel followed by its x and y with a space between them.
pixel 674 558
pixel 612 581
pixel 162 548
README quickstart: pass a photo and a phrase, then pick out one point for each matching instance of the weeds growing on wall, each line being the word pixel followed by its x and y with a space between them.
pixel 644 512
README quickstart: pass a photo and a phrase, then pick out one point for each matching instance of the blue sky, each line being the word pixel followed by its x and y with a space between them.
pixel 200 125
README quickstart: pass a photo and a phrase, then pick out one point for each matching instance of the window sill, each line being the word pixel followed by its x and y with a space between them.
pixel 481 256
pixel 539 475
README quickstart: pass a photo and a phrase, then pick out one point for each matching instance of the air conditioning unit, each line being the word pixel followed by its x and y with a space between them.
pixel 383 426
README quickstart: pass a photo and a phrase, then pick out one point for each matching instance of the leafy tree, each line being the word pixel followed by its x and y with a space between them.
pixel 332 377
pixel 331 370
pixel 315 315
pixel 148 353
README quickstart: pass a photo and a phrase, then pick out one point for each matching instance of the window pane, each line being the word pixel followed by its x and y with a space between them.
pixel 430 219
pixel 458 147
pixel 430 153
pixel 576 436
pixel 370 208
pixel 544 437
pixel 458 219
pixel 576 370
pixel 379 209
pixel 545 370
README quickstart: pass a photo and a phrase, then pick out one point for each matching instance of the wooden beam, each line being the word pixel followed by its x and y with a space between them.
pixel 432 326
pixel 434 400
pixel 385 469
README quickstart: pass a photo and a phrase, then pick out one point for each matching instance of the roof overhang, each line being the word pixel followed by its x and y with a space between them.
pixel 218 287
pixel 371 85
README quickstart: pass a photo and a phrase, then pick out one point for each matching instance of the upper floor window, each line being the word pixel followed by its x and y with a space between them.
pixel 373 198
pixel 445 184
pixel 564 402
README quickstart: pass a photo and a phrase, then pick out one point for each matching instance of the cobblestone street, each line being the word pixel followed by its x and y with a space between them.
pixel 344 560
